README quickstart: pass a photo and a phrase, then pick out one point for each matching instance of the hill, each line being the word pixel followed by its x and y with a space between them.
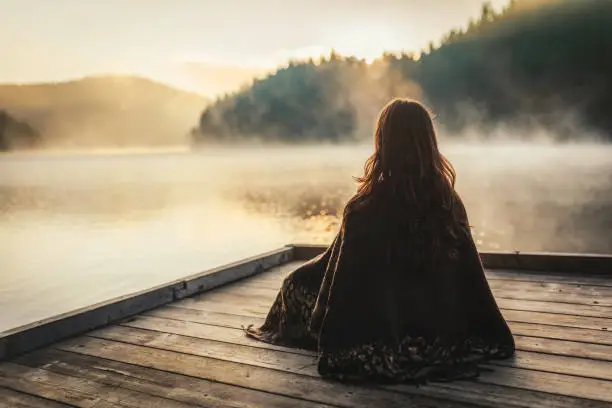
pixel 549 65
pixel 544 63
pixel 15 134
pixel 108 111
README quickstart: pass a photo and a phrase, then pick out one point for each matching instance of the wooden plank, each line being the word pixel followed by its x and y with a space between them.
pixel 284 360
pixel 257 292
pixel 531 261
pixel 543 291
pixel 256 306
pixel 245 296
pixel 574 386
pixel 227 305
pixel 570 298
pixel 76 391
pixel 200 330
pixel 255 288
pixel 563 347
pixel 526 276
pixel 268 380
pixel 299 363
pixel 38 334
pixel 553 383
pixel 561 333
pixel 552 287
pixel 496 395
pixel 204 316
pixel 221 339
pixel 559 308
pixel 557 298
pixel 592 323
pixel 216 304
pixel 474 392
pixel 581 367
pixel 14 399
pixel 169 385
pixel 536 344
pixel 579 310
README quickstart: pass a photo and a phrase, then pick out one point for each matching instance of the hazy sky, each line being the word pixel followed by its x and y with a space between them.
pixel 180 41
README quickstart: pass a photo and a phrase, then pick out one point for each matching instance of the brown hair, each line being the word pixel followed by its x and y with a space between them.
pixel 406 161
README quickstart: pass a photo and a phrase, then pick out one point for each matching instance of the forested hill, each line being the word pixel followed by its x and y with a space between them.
pixel 16 134
pixel 103 111
pixel 545 63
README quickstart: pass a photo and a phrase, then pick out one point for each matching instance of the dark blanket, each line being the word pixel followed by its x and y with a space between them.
pixel 398 296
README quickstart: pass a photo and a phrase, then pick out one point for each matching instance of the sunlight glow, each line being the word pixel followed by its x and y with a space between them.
pixel 368 42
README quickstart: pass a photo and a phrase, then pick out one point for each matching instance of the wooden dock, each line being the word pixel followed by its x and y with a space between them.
pixel 181 345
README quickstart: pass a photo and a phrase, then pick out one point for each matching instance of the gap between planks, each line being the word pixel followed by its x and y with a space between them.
pixel 526 343
pixel 588 336
pixel 315 388
pixel 542 291
pixel 254 290
pixel 179 387
pixel 573 365
pixel 14 399
pixel 513 377
pixel 252 377
pixel 240 301
pixel 77 391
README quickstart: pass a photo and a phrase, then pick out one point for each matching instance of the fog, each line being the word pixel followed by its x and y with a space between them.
pixel 523 196
pixel 104 112
pixel 116 223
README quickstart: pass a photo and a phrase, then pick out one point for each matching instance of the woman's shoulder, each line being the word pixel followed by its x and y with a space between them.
pixel 358 211
pixel 360 205
pixel 366 207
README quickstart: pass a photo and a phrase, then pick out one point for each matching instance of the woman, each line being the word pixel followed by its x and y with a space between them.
pixel 400 295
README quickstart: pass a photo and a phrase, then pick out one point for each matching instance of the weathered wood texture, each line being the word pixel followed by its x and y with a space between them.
pixel 15 399
pixel 193 352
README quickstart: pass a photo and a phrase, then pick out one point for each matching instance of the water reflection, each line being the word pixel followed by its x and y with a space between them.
pixel 79 229
pixel 111 204
pixel 546 198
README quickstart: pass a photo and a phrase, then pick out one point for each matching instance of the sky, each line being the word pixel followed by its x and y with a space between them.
pixel 208 46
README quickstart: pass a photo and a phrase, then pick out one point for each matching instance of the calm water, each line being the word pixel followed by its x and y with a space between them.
pixel 79 229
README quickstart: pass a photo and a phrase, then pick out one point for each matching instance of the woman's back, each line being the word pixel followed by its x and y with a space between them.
pixel 400 294
pixel 421 262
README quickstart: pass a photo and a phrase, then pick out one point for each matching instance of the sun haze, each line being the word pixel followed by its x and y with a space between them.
pixel 64 39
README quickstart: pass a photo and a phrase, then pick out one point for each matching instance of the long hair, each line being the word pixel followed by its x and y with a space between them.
pixel 407 162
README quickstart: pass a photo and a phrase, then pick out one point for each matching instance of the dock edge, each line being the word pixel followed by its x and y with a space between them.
pixel 47 331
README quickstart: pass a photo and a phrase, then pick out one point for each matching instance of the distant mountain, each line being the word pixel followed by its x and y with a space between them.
pixel 15 134
pixel 106 111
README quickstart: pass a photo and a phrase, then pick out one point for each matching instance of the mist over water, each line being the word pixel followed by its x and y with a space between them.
pixel 77 229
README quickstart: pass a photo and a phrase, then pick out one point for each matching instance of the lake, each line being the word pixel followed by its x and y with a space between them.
pixel 76 229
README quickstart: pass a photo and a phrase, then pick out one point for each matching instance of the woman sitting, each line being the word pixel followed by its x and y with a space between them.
pixel 400 295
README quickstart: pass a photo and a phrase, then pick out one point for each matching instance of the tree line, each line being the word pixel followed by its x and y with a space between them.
pixel 15 134
pixel 532 63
